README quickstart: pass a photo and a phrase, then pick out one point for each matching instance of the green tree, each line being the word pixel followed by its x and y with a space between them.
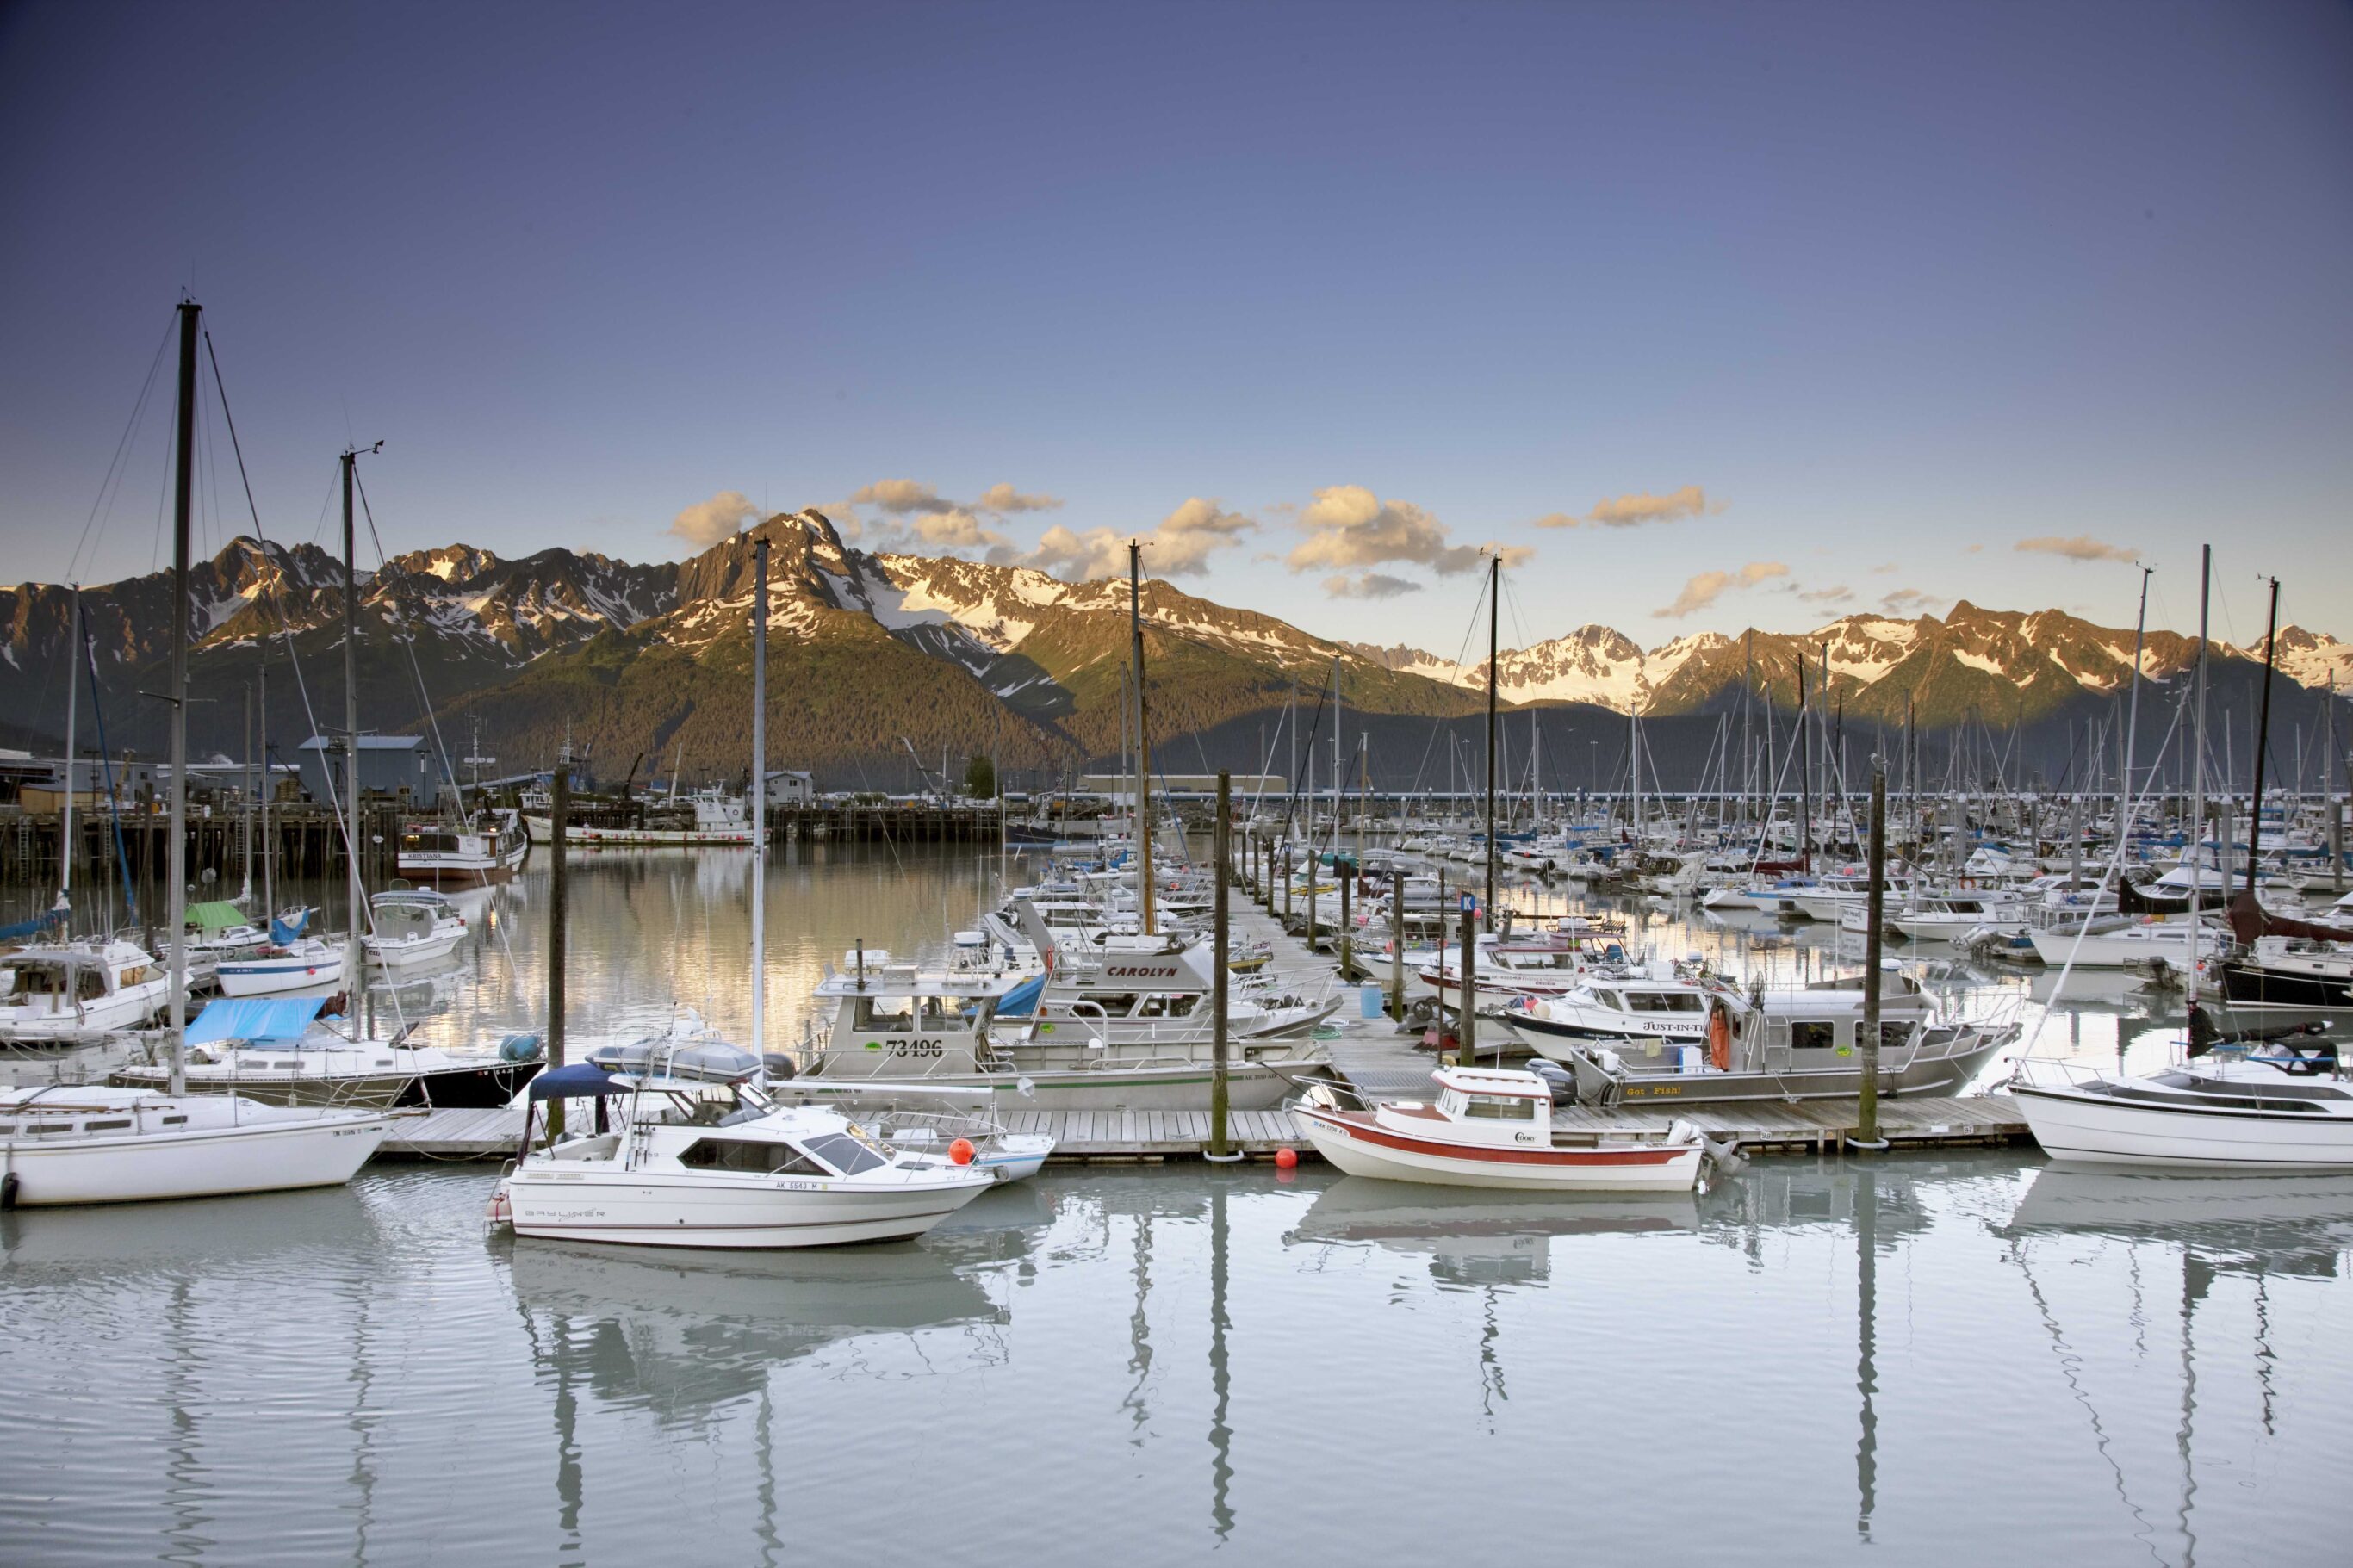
pixel 980 779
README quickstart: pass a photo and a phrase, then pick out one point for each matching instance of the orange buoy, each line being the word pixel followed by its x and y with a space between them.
pixel 1284 1159
pixel 961 1150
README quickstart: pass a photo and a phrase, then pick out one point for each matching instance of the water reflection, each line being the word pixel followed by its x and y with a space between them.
pixel 1476 1239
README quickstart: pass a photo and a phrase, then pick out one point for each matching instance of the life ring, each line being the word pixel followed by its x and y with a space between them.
pixel 1968 884
pixel 1719 1037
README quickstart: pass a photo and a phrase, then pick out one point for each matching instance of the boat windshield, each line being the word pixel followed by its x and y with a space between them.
pixel 849 1155
pixel 1663 1002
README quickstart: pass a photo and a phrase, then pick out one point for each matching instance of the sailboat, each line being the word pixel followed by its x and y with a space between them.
pixel 62 1145
pixel 2231 1105
pixel 703 1156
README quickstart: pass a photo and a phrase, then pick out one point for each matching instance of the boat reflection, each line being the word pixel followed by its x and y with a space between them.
pixel 1479 1237
pixel 228 1234
pixel 683 1334
pixel 2286 1224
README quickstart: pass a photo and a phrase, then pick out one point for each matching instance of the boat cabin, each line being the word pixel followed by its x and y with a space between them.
pixel 1488 1106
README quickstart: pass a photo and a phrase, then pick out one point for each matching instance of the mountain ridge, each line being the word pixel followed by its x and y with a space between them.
pixel 876 654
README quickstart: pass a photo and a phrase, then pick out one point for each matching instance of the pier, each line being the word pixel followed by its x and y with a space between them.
pixel 1378 1059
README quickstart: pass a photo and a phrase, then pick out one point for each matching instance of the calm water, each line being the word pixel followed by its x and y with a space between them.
pixel 1925 1361
pixel 1930 1360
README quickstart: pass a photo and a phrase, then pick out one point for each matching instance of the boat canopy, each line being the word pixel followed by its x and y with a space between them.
pixel 255 1019
pixel 218 915
pixel 699 1061
pixel 575 1081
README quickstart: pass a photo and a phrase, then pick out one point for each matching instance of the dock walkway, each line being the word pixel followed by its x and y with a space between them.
pixel 1379 1060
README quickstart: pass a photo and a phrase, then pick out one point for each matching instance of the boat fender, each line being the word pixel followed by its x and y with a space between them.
pixel 521 1046
pixel 8 1191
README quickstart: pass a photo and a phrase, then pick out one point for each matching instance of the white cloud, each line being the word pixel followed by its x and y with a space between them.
pixel 1004 499
pixel 2082 547
pixel 1349 526
pixel 1826 596
pixel 705 523
pixel 901 496
pixel 1369 585
pixel 1180 546
pixel 955 527
pixel 1703 590
pixel 1640 507
pixel 1904 599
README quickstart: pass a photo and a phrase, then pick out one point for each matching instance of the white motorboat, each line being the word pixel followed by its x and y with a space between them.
pixel 2270 1111
pixel 701 1158
pixel 413 927
pixel 62 993
pixel 488 848
pixel 104 1145
pixel 2130 947
pixel 1490 1128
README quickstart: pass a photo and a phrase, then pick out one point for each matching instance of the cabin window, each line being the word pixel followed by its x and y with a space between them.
pixel 883 1013
pixel 759 1158
pixel 112 1126
pixel 1812 1035
pixel 175 1121
pixel 1893 1037
pixel 845 1153
pixel 1496 1107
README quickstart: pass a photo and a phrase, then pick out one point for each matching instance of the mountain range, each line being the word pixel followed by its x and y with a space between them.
pixel 875 659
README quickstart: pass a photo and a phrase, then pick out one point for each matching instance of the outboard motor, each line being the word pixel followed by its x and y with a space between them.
pixel 1557 1077
pixel 777 1066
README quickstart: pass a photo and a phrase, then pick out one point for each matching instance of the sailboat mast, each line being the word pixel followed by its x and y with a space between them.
pixel 2198 769
pixel 759 802
pixel 351 735
pixel 2263 744
pixel 261 680
pixel 1495 628
pixel 176 893
pixel 1142 743
pixel 66 824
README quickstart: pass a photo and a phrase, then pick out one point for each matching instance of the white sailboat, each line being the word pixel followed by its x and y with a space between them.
pixel 87 1145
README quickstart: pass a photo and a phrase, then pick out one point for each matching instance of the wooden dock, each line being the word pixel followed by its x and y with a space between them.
pixel 1819 1126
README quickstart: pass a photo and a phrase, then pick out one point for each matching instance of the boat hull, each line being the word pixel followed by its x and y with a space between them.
pixel 273 977
pixel 2273 988
pixel 1354 1145
pixel 212 1162
pixel 2088 1128
pixel 650 1209
pixel 484 1088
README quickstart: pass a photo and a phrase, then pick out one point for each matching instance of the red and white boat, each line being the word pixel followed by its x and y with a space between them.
pixel 1492 1128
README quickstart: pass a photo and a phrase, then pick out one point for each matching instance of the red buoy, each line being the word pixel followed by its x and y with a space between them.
pixel 961 1150
pixel 1284 1159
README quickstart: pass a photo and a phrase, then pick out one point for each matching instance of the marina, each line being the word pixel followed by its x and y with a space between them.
pixel 1229 785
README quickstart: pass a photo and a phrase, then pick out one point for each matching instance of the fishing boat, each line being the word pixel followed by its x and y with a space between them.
pixel 486 848
pixel 2290 971
pixel 1787 1045
pixel 701 1158
pixel 708 817
pixel 1490 1128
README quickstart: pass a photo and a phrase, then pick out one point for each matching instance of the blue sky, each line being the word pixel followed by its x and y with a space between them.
pixel 1866 293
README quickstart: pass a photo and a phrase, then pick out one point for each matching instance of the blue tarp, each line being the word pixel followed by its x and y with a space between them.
pixel 283 930
pixel 256 1018
pixel 575 1081
pixel 1022 1000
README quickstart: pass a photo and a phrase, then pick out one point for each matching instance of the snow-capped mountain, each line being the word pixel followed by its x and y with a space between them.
pixel 883 654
